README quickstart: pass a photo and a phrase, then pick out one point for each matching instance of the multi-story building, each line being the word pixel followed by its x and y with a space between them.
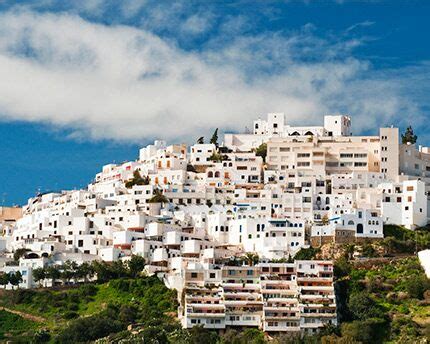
pixel 276 297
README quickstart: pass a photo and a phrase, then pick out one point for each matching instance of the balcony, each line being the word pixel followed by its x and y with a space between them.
pixel 282 327
pixel 237 319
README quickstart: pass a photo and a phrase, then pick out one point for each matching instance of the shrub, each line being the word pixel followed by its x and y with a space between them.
pixel 370 331
pixel 362 306
pixel 70 315
pixel 416 286
pixel 88 329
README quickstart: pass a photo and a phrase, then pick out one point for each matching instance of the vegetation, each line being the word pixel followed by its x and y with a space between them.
pixel 14 278
pixel 214 138
pixel 409 136
pixel 20 252
pixel 217 157
pixel 102 270
pixel 381 302
pixel 307 253
pixel 12 325
pixel 262 151
pixel 158 198
pixel 137 180
pixel 89 311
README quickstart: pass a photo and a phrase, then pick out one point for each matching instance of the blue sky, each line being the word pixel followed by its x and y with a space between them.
pixel 85 83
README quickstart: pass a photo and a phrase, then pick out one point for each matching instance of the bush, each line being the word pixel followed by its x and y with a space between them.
pixel 306 254
pixel 417 285
pixel 88 329
pixel 362 306
pixel 41 336
pixel 87 290
pixel 70 315
pixel 372 330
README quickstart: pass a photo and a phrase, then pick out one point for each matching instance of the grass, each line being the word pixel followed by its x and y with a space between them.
pixel 390 286
pixel 12 325
pixel 60 307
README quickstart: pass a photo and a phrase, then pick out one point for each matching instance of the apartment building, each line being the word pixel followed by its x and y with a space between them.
pixel 275 297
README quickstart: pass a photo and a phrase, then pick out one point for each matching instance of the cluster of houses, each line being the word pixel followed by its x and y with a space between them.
pixel 189 210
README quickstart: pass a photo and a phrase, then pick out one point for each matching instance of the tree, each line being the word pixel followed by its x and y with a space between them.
pixel 199 334
pixel 342 267
pixel 369 251
pixel 84 271
pixel 137 180
pixel 409 136
pixel 306 254
pixel 201 140
pixel 89 329
pixel 262 151
pixel 69 271
pixel 53 273
pixel 371 330
pixel 158 198
pixel 136 265
pixel 362 306
pixel 251 258
pixel 20 252
pixel 4 279
pixel 349 251
pixel 102 271
pixel 15 278
pixel 217 157
pixel 39 274
pixel 214 138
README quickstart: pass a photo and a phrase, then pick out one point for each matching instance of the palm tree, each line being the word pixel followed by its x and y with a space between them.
pixel 251 258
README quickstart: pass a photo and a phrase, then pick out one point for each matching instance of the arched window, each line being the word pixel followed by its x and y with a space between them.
pixel 327 200
pixel 210 174
pixel 217 174
pixel 350 223
pixel 359 228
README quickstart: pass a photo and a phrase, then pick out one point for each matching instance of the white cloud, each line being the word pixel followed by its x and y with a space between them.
pixel 125 83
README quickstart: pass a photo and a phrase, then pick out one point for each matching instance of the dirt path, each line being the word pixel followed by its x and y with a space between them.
pixel 24 315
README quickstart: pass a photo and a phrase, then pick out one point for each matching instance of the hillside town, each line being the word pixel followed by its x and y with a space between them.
pixel 221 221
